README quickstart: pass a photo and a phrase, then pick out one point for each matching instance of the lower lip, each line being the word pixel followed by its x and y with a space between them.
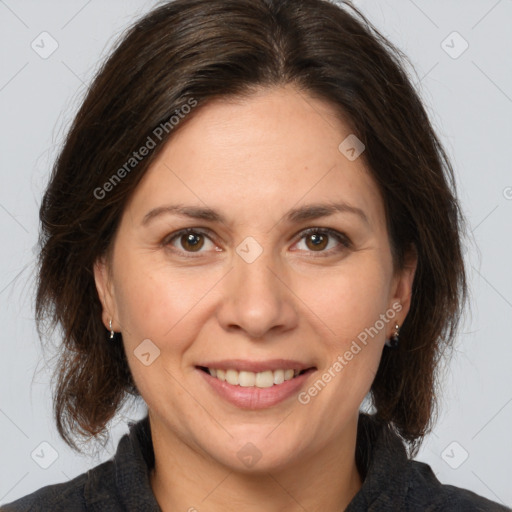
pixel 253 397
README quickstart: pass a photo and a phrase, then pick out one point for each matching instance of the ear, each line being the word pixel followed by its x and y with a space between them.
pixel 105 288
pixel 401 290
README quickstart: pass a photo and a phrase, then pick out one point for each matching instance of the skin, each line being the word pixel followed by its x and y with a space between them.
pixel 253 159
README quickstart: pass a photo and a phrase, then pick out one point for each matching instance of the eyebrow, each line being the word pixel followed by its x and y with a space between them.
pixel 294 216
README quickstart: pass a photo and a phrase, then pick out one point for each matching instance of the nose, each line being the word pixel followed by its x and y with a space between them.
pixel 257 297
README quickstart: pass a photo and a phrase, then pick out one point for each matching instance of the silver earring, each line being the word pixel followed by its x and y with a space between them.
pixel 111 331
pixel 394 339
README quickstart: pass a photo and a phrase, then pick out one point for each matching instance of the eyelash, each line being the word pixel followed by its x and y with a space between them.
pixel 340 237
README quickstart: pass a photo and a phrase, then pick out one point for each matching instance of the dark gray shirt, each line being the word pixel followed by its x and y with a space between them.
pixel 391 481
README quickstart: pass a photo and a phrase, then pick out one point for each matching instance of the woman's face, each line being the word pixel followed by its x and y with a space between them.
pixel 253 286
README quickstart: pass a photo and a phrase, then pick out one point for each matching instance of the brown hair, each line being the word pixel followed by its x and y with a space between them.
pixel 196 50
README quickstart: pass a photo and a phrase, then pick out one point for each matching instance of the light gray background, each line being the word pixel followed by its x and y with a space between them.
pixel 470 102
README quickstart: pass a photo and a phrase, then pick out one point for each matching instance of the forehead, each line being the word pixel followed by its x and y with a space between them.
pixel 265 153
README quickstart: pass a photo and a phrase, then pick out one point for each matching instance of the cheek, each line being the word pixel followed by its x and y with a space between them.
pixel 349 318
pixel 155 305
pixel 156 301
pixel 350 298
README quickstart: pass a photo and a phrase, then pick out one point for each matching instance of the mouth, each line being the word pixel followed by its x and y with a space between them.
pixel 262 379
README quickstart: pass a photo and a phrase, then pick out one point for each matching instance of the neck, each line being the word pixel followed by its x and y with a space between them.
pixel 185 479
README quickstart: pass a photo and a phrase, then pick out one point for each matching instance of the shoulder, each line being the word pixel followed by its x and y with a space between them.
pixel 119 484
pixel 69 496
pixel 393 481
pixel 426 492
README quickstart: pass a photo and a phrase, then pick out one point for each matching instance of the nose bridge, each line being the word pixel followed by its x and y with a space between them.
pixel 253 267
pixel 253 272
pixel 256 297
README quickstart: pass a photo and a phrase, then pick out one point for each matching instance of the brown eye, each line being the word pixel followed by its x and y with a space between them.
pixel 192 241
pixel 187 240
pixel 318 241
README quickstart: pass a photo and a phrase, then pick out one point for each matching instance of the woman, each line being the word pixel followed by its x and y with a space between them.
pixel 252 226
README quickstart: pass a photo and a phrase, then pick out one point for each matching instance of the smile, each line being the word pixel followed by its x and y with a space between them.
pixel 264 379
pixel 255 390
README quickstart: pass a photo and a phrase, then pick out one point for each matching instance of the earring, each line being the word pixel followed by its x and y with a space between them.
pixel 394 339
pixel 111 331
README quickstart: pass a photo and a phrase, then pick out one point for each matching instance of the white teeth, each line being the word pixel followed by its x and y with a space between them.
pixel 232 377
pixel 278 376
pixel 246 379
pixel 265 379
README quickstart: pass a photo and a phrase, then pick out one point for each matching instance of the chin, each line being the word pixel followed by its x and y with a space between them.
pixel 253 451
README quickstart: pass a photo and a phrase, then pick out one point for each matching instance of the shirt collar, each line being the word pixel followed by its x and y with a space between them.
pixel 126 486
pixel 380 456
pixel 381 459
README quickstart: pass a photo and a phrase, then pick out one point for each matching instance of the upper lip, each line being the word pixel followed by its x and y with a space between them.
pixel 257 366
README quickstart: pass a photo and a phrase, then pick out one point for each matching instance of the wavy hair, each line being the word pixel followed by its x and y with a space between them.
pixel 198 50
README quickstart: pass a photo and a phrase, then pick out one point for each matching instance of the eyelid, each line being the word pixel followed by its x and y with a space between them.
pixel 200 231
pixel 341 237
pixel 338 235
